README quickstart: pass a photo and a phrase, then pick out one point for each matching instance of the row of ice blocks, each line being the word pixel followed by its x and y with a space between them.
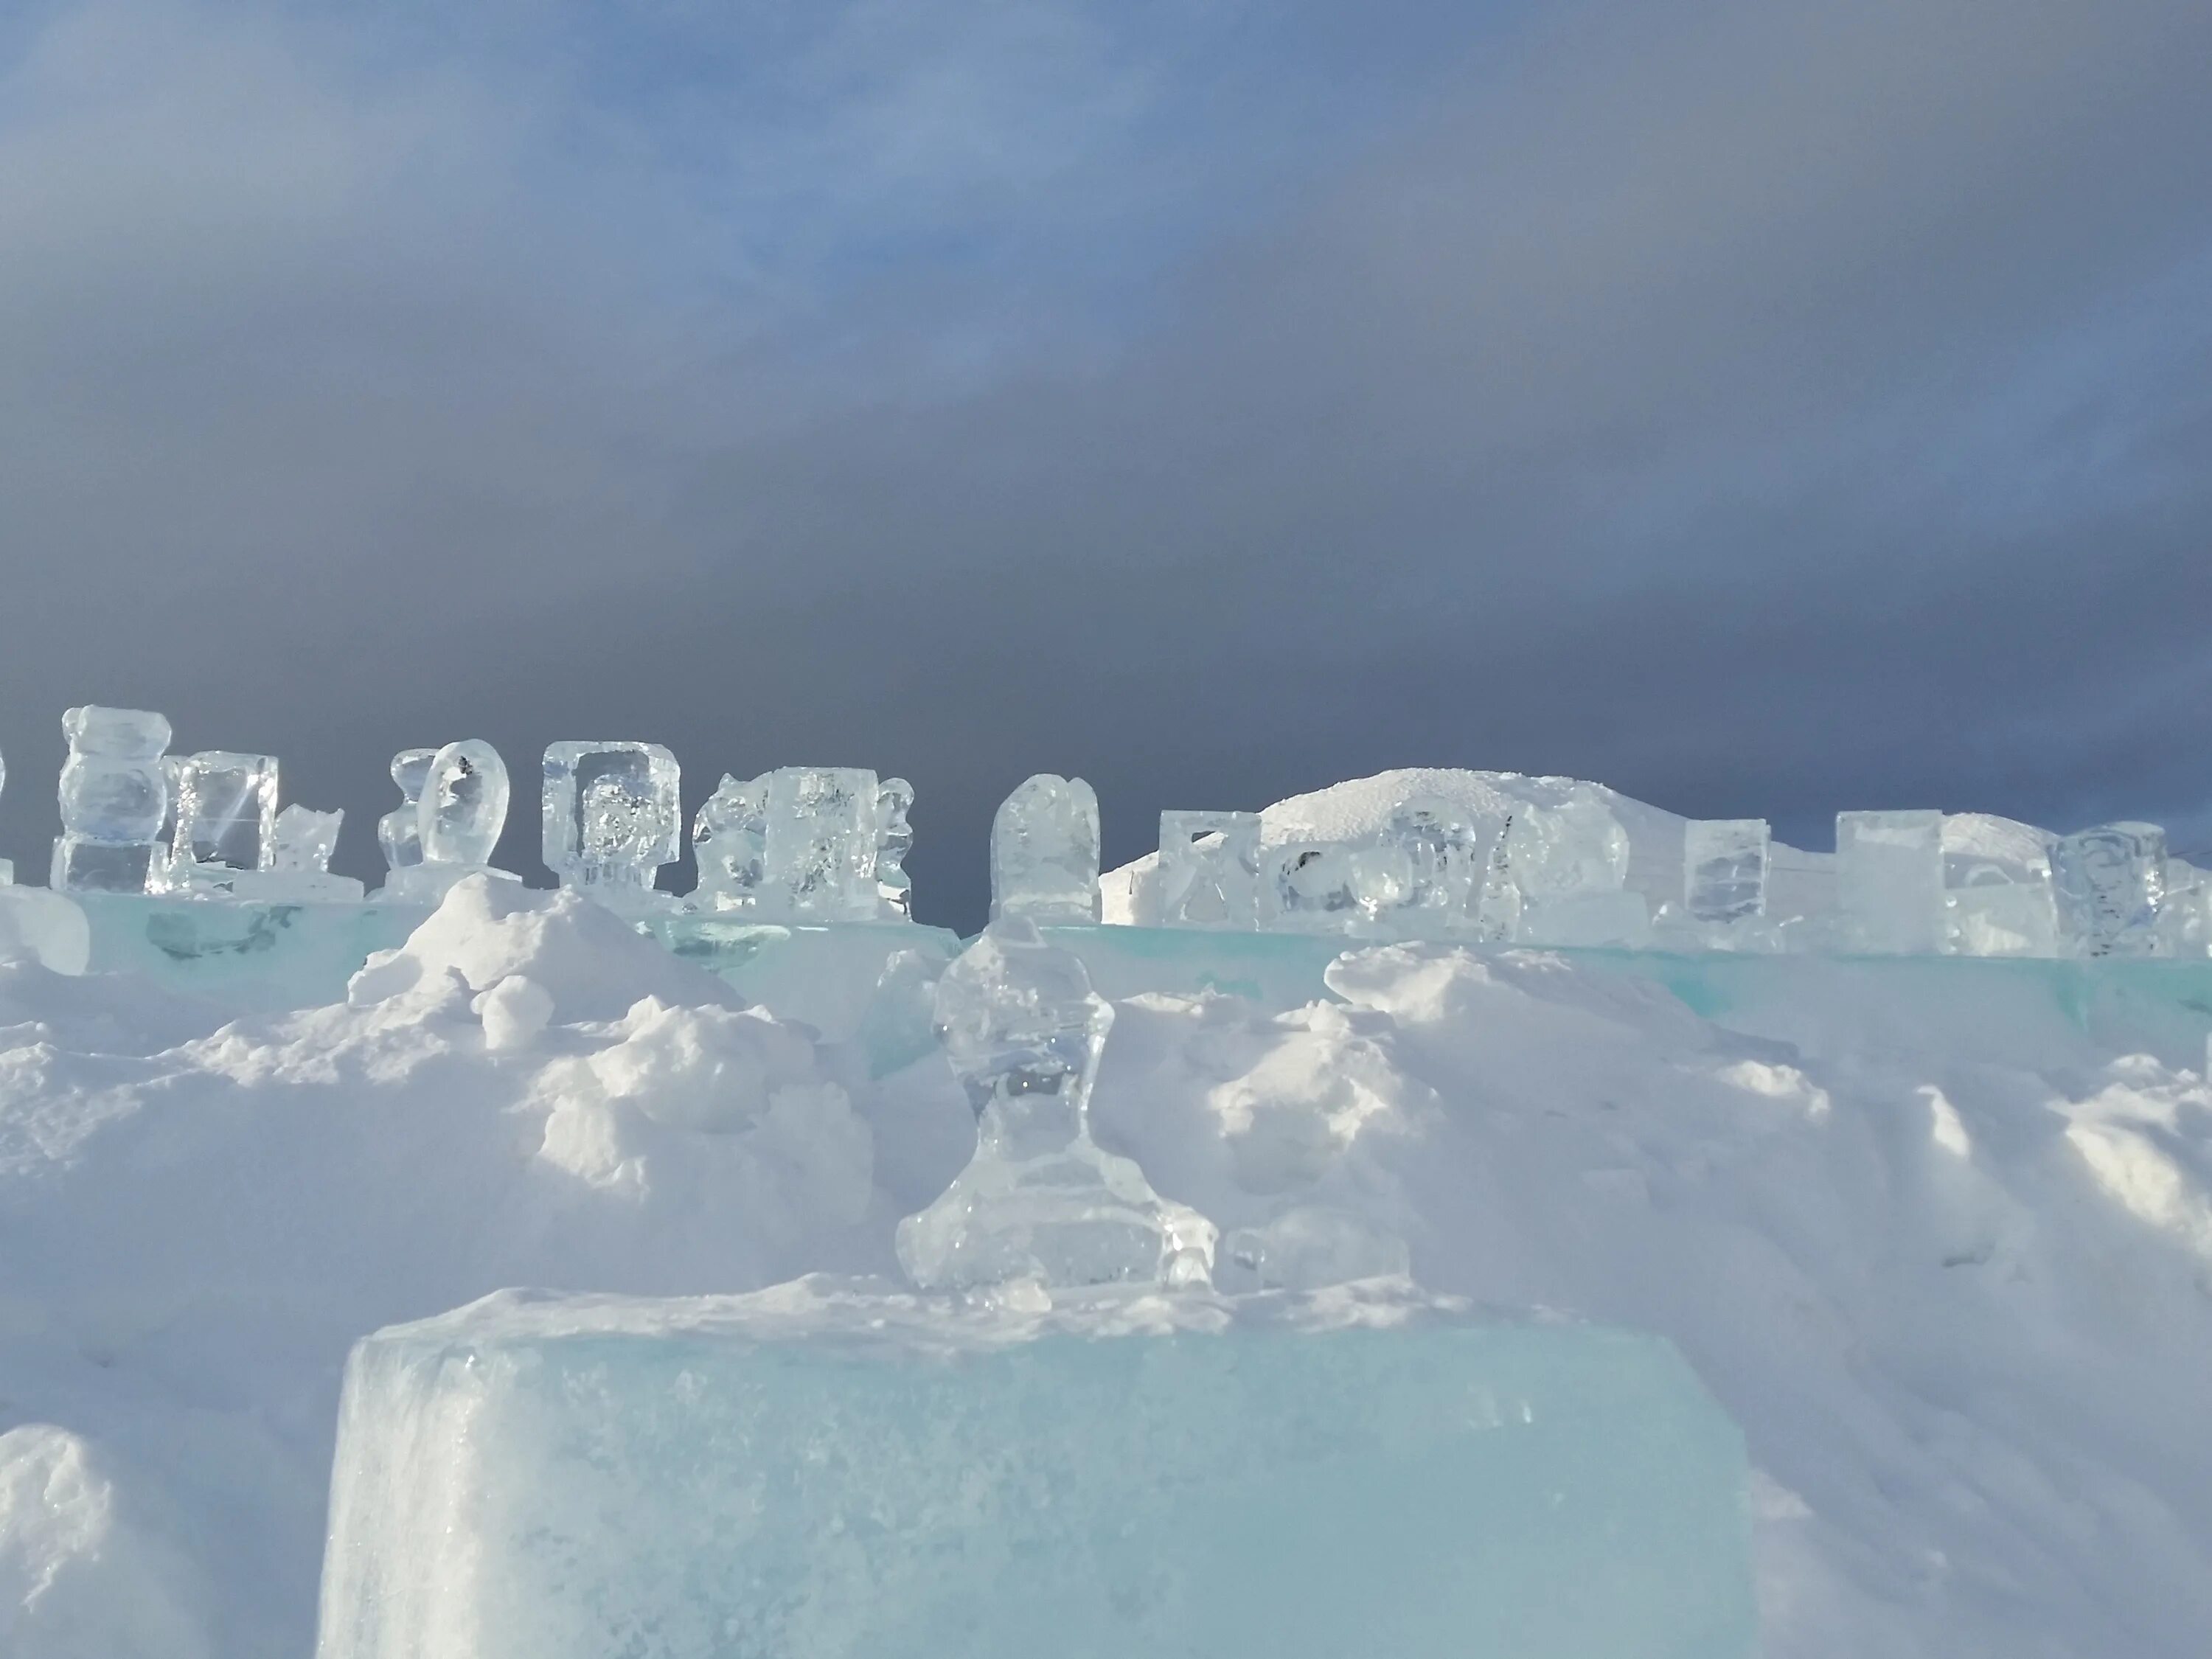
pixel 832 1471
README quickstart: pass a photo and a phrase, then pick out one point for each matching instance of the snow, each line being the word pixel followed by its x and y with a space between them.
pixel 1937 1233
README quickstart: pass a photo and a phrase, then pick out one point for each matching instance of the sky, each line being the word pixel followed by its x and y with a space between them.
pixel 1766 407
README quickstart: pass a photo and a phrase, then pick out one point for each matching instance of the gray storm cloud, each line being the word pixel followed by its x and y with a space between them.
pixel 1766 409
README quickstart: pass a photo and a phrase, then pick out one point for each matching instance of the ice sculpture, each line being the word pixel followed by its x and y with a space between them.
pixel 303 840
pixel 2109 883
pixel 1313 887
pixel 729 838
pixel 1997 888
pixel 1044 851
pixel 611 818
pixel 1209 870
pixel 1724 869
pixel 115 798
pixel 399 832
pixel 1445 853
pixel 1040 1201
pixel 1889 878
pixel 298 867
pixel 460 795
pixel 2184 911
pixel 893 840
pixel 821 832
pixel 225 822
pixel 463 804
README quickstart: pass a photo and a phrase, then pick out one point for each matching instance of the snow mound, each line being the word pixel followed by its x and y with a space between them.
pixel 1361 806
pixel 1936 1232
pixel 81 1577
pixel 591 963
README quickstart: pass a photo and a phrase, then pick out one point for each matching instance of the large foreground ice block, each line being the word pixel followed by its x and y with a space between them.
pixel 821 1471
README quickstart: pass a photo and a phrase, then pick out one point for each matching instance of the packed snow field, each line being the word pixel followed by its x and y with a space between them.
pixel 1936 1233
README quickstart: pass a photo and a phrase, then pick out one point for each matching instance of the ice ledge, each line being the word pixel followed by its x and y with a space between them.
pixel 856 1316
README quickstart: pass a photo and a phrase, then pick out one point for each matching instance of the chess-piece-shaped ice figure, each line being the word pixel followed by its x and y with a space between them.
pixel 893 840
pixel 1040 1201
pixel 114 796
pixel 1044 852
pixel 399 832
pixel 611 818
pixel 729 839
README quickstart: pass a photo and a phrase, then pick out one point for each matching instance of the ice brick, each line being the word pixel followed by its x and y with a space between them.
pixel 822 830
pixel 1889 878
pixel 814 1472
pixel 1724 868
pixel 611 816
pixel 2110 882
pixel 1044 851
pixel 1209 869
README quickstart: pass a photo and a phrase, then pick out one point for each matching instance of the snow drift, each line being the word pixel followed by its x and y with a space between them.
pixel 1937 1234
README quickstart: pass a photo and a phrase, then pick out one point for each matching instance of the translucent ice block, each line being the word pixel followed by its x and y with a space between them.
pixel 399 832
pixel 729 837
pixel 1209 869
pixel 815 1471
pixel 226 820
pixel 1889 877
pixel 114 796
pixel 2110 882
pixel 821 829
pixel 611 816
pixel 1724 868
pixel 1044 851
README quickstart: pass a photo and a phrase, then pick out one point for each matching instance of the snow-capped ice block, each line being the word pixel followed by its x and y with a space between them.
pixel 827 1471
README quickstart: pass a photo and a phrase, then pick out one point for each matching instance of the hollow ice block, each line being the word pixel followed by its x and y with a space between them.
pixel 830 1471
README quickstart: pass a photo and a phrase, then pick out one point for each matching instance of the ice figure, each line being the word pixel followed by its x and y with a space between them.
pixel 1040 1201
pixel 822 831
pixel 1997 888
pixel 1724 869
pixel 893 840
pixel 729 837
pixel 1576 847
pixel 1445 853
pixel 225 822
pixel 1044 851
pixel 463 804
pixel 399 832
pixel 303 840
pixel 2110 882
pixel 460 795
pixel 611 818
pixel 1313 887
pixel 1889 878
pixel 114 796
pixel 1209 870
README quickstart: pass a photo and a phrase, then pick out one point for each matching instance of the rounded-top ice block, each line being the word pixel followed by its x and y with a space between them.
pixel 822 1471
